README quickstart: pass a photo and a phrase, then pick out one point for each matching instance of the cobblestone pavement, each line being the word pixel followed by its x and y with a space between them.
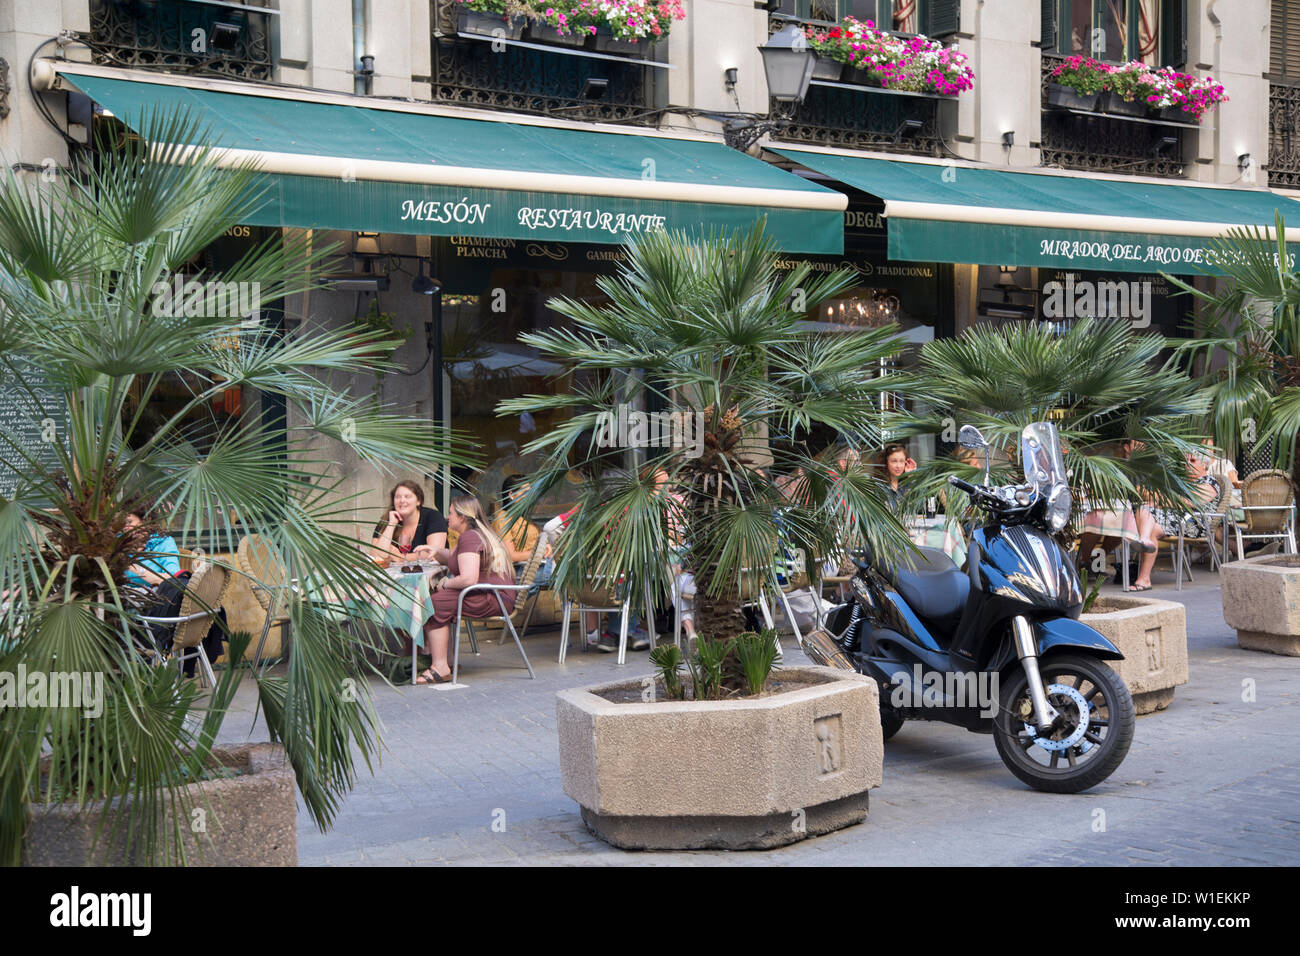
pixel 471 776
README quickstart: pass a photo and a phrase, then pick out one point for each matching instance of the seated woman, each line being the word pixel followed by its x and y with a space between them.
pixel 162 557
pixel 520 537
pixel 1159 523
pixel 480 558
pixel 897 462
pixel 410 528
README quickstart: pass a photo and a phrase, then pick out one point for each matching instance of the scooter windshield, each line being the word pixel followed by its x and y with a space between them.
pixel 1040 450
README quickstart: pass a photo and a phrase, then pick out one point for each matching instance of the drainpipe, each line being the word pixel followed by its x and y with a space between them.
pixel 1216 63
pixel 360 82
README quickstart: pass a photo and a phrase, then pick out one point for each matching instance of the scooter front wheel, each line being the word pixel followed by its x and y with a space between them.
pixel 1089 738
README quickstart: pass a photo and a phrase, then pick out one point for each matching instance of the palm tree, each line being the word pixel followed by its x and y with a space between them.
pixel 1249 344
pixel 708 326
pixel 83 262
pixel 1100 383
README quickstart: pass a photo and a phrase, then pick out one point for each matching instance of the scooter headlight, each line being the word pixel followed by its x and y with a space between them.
pixel 1059 506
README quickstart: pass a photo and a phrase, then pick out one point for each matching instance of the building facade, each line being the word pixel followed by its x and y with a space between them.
pixel 647 134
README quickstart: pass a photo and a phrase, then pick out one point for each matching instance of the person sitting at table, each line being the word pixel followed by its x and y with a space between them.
pixel 480 558
pixel 1104 527
pixel 1163 523
pixel 410 528
pixel 163 559
pixel 520 536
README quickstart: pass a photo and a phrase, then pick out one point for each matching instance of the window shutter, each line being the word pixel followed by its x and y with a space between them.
pixel 1173 42
pixel 885 14
pixel 1048 39
pixel 1284 38
pixel 942 17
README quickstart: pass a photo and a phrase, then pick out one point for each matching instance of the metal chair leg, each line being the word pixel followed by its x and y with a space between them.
pixel 455 651
pixel 505 616
pixel 622 631
pixel 564 631
pixel 650 616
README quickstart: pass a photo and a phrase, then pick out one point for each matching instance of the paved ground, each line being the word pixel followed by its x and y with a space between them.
pixel 472 776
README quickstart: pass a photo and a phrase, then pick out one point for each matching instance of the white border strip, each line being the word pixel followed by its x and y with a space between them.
pixel 1048 219
pixel 464 177
pixel 46 71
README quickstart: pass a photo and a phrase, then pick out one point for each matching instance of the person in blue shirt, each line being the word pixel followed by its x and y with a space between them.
pixel 161 561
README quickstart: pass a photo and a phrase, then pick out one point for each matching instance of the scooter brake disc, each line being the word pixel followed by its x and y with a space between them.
pixel 1062 690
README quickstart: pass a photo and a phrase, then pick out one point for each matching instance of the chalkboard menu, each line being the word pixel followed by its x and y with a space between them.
pixel 34 417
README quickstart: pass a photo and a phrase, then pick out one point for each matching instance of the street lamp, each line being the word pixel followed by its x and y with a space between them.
pixel 788 62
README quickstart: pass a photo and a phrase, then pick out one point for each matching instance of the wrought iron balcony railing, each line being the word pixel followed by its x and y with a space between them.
pixel 1076 139
pixel 1283 135
pixel 522 74
pixel 231 38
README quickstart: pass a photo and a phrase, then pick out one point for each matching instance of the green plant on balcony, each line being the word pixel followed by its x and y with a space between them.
pixel 1082 74
pixel 632 20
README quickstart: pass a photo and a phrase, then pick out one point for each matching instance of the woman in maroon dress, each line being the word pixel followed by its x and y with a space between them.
pixel 480 558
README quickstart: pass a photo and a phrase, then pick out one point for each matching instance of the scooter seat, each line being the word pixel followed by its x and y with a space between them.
pixel 936 589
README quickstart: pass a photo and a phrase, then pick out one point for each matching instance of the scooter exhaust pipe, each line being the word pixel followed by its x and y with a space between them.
pixel 1027 650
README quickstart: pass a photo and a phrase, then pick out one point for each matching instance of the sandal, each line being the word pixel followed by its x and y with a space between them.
pixel 1140 587
pixel 431 676
pixel 1150 548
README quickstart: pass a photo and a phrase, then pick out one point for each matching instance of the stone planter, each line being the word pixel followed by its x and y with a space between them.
pixel 489 24
pixel 1068 98
pixel 738 774
pixel 1261 600
pixel 1112 102
pixel 824 68
pixel 545 33
pixel 1152 636
pixel 247 820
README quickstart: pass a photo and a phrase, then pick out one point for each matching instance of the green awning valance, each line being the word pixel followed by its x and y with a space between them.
pixel 397 169
pixel 944 212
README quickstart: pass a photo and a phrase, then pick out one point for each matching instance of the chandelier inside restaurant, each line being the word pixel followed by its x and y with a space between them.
pixel 869 308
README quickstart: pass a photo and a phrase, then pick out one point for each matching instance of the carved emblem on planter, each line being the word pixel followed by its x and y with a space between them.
pixel 829 754
pixel 1155 653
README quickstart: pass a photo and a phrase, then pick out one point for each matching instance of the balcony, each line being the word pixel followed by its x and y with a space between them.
pixel 531 75
pixel 1137 146
pixel 229 38
pixel 1284 135
pixel 854 116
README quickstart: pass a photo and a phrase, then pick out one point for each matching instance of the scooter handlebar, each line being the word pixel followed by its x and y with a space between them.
pixel 965 486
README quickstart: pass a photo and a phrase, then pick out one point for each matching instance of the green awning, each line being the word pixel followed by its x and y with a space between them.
pixel 397 168
pixel 944 212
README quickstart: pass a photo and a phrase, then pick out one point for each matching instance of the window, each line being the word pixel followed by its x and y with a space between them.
pixel 1284 39
pixel 931 17
pixel 1117 31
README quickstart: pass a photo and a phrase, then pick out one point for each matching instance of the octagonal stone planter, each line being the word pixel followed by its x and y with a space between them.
pixel 248 820
pixel 1261 600
pixel 739 774
pixel 1152 635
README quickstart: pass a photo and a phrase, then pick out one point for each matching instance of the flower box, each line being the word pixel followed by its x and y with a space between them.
pixel 604 41
pixel 478 23
pixel 1175 114
pixel 824 68
pixel 874 57
pixel 545 33
pixel 1068 98
pixel 747 773
pixel 1113 103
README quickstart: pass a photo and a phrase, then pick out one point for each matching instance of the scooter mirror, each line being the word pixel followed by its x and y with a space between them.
pixel 970 437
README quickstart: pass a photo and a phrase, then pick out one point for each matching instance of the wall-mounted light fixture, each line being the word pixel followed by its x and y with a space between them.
pixel 730 75
pixel 1164 143
pixel 424 285
pixel 366 244
pixel 1008 139
pixel 1243 163
pixel 594 88
pixel 908 129
pixel 224 36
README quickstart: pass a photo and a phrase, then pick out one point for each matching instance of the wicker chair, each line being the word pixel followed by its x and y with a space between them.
pixel 200 604
pixel 1268 504
pixel 268 580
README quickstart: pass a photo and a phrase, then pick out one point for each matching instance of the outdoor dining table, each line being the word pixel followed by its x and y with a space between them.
pixel 406 604
pixel 939 532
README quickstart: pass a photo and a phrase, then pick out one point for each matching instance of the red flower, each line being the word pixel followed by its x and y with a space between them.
pixel 836 33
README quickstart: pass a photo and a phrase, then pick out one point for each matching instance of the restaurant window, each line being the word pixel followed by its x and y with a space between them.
pixel 1284 40
pixel 931 17
pixel 1117 31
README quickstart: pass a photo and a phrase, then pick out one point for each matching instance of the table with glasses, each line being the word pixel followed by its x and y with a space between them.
pixel 407 603
pixel 941 532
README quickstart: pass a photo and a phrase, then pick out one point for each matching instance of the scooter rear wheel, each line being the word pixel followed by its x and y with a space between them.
pixel 890 721
pixel 1091 737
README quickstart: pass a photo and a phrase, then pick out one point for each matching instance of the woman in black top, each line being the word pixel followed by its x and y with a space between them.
pixel 410 528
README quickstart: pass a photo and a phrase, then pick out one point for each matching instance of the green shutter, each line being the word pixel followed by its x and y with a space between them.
pixel 942 17
pixel 1048 39
pixel 885 14
pixel 1173 39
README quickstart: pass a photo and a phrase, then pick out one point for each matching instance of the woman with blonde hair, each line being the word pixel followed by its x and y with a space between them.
pixel 480 558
